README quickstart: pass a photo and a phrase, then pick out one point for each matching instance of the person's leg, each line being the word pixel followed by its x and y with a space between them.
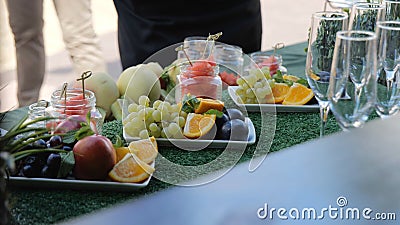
pixel 79 36
pixel 26 22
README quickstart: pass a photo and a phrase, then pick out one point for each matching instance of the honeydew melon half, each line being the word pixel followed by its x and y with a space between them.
pixel 139 80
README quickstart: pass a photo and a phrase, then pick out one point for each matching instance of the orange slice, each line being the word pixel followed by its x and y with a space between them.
pixel 198 125
pixel 280 90
pixel 207 104
pixel 121 152
pixel 298 95
pixel 290 77
pixel 145 149
pixel 131 170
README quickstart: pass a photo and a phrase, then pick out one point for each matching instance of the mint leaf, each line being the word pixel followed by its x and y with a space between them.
pixel 218 113
pixel 302 81
pixel 278 77
pixel 190 103
pixel 67 164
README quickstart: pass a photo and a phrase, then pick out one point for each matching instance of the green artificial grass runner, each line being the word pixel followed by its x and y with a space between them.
pixel 46 206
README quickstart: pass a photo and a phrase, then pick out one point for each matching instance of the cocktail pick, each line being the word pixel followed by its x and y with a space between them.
pixel 211 38
pixel 84 76
pixel 181 48
pixel 64 94
pixel 277 46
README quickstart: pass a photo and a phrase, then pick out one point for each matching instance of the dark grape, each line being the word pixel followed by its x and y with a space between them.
pixel 35 161
pixel 39 144
pixel 66 148
pixel 54 161
pixel 49 172
pixel 55 141
pixel 31 171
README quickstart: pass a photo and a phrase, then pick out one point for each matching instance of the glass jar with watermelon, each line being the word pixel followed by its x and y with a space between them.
pixel 75 102
pixel 273 61
pixel 230 61
pixel 199 78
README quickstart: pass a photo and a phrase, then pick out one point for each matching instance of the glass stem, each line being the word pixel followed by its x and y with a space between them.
pixel 324 111
pixel 357 95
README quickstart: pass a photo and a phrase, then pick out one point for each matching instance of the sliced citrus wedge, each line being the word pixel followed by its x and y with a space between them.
pixel 121 152
pixel 290 77
pixel 198 125
pixel 145 149
pixel 131 170
pixel 207 104
pixel 280 90
pixel 298 95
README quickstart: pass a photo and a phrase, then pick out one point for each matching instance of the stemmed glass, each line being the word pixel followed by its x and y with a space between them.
pixel 324 26
pixel 365 15
pixel 353 68
pixel 388 69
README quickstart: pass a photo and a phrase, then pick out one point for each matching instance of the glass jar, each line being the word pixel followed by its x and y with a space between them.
pixel 273 61
pixel 74 103
pixel 230 61
pixel 199 79
pixel 196 47
pixel 38 110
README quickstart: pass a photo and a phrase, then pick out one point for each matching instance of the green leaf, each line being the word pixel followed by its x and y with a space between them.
pixel 69 137
pixel 303 82
pixel 83 132
pixel 278 77
pixel 88 118
pixel 218 113
pixel 67 164
pixel 190 103
pixel 118 143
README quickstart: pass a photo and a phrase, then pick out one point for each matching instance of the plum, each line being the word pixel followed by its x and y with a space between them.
pixel 219 121
pixel 234 130
pixel 235 114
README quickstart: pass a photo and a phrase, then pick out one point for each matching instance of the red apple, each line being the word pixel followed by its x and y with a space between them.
pixel 94 156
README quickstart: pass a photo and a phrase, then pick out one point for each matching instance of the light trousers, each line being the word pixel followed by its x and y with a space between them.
pixel 81 41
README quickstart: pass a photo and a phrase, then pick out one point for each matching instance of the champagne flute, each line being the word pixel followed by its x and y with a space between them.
pixel 353 68
pixel 388 69
pixel 392 10
pixel 365 15
pixel 324 26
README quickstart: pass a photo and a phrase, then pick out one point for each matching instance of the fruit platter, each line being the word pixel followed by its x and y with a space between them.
pixel 73 156
pixel 261 91
pixel 197 124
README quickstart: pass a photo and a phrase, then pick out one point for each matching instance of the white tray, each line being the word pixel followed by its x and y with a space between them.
pixel 77 184
pixel 198 144
pixel 271 107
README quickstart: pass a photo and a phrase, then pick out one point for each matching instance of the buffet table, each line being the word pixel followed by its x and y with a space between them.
pixel 44 206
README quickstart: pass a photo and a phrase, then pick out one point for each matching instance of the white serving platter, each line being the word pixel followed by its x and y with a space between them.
pixel 73 184
pixel 199 144
pixel 271 107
